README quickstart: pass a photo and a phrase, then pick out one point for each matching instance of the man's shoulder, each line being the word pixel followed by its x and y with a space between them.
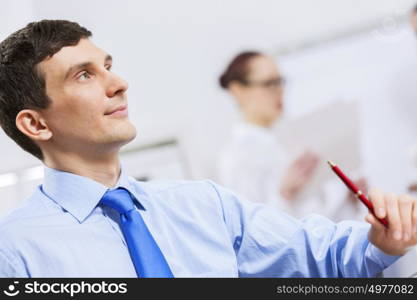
pixel 166 186
pixel 29 212
pixel 191 193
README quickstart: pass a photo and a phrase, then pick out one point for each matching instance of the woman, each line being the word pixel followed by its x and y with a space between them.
pixel 253 164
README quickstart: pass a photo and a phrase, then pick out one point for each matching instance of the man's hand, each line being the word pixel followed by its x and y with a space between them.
pixel 401 214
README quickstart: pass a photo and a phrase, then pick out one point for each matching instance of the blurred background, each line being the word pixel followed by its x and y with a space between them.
pixel 172 53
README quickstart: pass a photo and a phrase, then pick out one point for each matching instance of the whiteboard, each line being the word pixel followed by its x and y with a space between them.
pixel 378 71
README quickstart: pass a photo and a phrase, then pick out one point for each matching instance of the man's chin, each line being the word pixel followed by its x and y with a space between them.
pixel 121 136
pixel 128 136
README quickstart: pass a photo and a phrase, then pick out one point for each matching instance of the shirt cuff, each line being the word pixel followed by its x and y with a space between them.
pixel 384 259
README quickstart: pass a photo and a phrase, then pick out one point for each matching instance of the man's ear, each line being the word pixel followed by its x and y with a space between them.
pixel 33 125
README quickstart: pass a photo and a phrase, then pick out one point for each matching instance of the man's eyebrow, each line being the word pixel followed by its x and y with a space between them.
pixel 85 65
pixel 108 58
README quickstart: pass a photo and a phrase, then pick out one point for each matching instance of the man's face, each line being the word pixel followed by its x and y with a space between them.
pixel 84 93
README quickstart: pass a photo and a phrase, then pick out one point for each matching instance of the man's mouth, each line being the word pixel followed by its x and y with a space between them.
pixel 118 111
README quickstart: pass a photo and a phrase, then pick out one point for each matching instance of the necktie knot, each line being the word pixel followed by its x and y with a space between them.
pixel 118 199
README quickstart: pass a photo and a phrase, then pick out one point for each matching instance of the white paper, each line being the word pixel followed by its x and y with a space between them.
pixel 332 132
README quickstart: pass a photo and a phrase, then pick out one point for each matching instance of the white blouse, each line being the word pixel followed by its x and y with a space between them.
pixel 252 165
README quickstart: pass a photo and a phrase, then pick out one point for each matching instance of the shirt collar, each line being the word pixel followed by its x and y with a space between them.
pixel 80 195
pixel 243 128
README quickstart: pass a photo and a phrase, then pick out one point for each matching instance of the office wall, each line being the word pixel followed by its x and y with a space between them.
pixel 171 53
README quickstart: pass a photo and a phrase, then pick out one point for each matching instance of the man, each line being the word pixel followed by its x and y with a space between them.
pixel 60 101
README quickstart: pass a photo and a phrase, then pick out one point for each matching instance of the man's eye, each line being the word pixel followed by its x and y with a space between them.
pixel 108 67
pixel 84 75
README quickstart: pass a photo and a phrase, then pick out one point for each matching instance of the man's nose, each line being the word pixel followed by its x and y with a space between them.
pixel 115 85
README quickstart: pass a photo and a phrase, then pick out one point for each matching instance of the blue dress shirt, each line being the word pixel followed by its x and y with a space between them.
pixel 202 229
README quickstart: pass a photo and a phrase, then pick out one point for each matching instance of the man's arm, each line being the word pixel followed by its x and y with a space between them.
pixel 272 244
pixel 6 267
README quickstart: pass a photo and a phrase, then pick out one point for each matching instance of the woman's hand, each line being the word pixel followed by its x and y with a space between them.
pixel 298 175
pixel 362 185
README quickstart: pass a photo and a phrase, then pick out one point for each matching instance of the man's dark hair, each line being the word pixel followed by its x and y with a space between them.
pixel 22 86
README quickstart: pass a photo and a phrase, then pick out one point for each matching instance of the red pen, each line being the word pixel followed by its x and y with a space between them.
pixel 358 193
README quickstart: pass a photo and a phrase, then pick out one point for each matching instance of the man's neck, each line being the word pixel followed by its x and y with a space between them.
pixel 104 169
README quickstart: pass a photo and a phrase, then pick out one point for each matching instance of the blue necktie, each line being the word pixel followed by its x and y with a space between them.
pixel 145 253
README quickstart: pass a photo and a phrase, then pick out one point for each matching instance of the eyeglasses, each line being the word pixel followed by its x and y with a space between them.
pixel 268 84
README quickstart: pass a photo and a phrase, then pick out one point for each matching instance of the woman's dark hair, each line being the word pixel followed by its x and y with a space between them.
pixel 237 70
pixel 22 86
